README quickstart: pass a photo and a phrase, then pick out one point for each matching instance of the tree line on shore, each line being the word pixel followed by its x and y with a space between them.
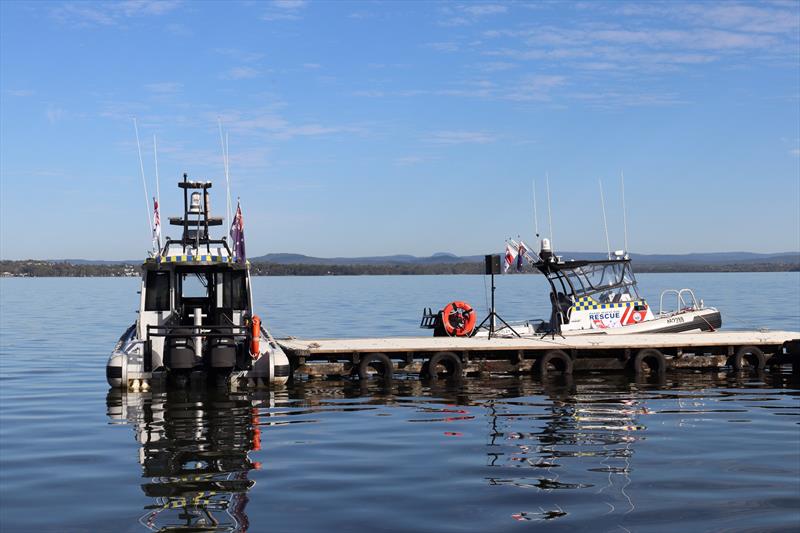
pixel 39 268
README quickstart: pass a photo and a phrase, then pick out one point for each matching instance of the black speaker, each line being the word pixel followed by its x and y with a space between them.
pixel 492 263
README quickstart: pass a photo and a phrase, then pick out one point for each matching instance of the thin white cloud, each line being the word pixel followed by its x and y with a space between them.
pixel 164 87
pixel 536 87
pixel 87 14
pixel 284 10
pixel 270 124
pixel 443 46
pixel 19 93
pixel 466 14
pixel 480 10
pixel 291 5
pixel 238 55
pixel 240 73
pixel 452 137
pixel 55 114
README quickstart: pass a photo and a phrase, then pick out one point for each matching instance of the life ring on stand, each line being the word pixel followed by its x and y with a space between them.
pixel 255 333
pixel 458 319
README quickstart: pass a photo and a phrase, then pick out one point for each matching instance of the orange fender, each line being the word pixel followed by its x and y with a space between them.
pixel 255 336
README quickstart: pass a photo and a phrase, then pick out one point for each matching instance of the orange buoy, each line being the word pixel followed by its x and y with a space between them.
pixel 256 335
pixel 458 319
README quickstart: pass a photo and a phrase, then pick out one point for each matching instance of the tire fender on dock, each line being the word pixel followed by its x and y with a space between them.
pixel 748 357
pixel 447 360
pixel 649 359
pixel 378 362
pixel 552 362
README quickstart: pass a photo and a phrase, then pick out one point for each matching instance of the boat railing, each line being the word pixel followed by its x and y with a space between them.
pixel 684 301
pixel 191 331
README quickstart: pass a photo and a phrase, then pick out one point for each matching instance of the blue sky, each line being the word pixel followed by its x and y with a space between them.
pixel 368 128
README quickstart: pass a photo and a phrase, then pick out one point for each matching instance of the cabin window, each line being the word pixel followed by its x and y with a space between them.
pixel 234 292
pixel 194 286
pixel 157 291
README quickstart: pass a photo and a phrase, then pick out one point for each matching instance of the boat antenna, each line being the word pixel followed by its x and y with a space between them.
pixel 624 211
pixel 228 166
pixel 158 186
pixel 549 212
pixel 535 214
pixel 144 182
pixel 227 176
pixel 605 222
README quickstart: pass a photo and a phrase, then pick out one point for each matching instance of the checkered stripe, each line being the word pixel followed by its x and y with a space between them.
pixel 585 303
pixel 194 259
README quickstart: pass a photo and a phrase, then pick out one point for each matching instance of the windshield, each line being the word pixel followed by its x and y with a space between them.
pixel 604 282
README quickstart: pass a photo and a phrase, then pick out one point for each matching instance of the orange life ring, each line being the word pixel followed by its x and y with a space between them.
pixel 458 319
pixel 255 332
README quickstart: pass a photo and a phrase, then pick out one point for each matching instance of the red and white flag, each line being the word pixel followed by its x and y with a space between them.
pixel 156 226
pixel 511 254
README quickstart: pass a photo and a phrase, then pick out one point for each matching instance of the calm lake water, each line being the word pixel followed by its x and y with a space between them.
pixel 703 452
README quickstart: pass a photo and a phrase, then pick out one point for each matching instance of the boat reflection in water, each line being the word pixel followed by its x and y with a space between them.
pixel 194 453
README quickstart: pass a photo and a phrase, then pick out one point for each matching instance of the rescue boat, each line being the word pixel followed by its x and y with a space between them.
pixel 588 297
pixel 196 316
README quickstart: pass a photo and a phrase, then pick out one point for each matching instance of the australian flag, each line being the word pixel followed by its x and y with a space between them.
pixel 520 255
pixel 237 235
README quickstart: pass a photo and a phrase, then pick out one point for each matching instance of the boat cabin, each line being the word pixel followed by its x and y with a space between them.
pixel 196 301
pixel 589 294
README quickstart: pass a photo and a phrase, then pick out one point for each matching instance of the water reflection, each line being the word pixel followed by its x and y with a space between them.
pixel 572 448
pixel 194 451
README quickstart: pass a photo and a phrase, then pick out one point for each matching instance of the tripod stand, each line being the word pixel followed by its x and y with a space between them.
pixel 493 315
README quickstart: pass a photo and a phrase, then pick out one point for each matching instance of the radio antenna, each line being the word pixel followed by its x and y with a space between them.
pixel 158 186
pixel 144 182
pixel 624 211
pixel 535 214
pixel 227 177
pixel 155 158
pixel 605 222
pixel 549 213
pixel 228 166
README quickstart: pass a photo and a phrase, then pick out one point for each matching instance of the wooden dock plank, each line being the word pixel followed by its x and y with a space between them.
pixel 577 342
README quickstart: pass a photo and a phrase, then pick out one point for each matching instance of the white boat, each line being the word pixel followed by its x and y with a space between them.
pixel 196 315
pixel 590 297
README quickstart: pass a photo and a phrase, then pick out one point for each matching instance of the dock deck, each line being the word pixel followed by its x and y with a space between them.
pixel 739 349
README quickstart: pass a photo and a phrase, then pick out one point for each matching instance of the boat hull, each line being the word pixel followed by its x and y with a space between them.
pixel 126 369
pixel 694 321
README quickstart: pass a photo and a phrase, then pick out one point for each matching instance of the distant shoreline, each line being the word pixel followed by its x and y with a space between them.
pixel 55 269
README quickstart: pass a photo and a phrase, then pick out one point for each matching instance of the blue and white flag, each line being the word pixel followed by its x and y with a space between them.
pixel 237 235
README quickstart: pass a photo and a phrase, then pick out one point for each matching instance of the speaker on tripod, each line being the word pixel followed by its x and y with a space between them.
pixel 492 267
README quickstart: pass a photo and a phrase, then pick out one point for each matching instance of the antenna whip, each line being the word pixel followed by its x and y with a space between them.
pixel 535 213
pixel 624 211
pixel 549 213
pixel 605 222
pixel 144 182
pixel 227 178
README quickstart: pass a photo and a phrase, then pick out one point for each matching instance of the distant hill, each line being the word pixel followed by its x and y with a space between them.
pixel 299 259
pixel 714 258
pixel 286 264
pixel 440 258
